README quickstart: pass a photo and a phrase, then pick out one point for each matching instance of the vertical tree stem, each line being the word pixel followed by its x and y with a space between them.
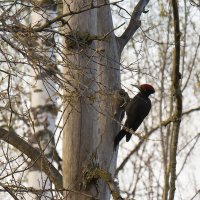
pixel 176 91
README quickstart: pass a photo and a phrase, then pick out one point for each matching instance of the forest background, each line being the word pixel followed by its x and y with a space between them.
pixel 65 76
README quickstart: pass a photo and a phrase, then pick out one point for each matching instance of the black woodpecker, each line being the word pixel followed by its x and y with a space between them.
pixel 136 110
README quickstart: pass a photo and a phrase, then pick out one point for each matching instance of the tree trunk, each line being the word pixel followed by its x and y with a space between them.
pixel 80 119
pixel 92 111
pixel 109 79
pixel 89 130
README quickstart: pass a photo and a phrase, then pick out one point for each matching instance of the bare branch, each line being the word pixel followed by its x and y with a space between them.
pixel 60 18
pixel 9 191
pixel 193 3
pixel 134 24
pixel 141 142
pixel 40 161
pixel 176 91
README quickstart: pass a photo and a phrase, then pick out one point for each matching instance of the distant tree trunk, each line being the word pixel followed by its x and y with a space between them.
pixel 91 108
pixel 43 102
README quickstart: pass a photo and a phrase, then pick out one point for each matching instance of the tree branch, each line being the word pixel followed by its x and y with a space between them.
pixel 71 12
pixel 140 143
pixel 93 173
pixel 9 191
pixel 176 91
pixel 134 24
pixel 39 160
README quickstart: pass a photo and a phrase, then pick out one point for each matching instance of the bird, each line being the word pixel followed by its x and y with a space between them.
pixel 136 110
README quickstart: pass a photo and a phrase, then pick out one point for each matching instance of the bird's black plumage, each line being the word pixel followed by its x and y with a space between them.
pixel 136 110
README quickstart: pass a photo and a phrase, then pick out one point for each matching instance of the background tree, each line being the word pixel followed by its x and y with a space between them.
pixel 43 95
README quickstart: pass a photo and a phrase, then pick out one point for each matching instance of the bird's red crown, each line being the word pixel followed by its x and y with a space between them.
pixel 147 87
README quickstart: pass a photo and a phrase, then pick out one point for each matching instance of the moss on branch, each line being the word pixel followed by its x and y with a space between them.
pixel 92 172
pixel 76 39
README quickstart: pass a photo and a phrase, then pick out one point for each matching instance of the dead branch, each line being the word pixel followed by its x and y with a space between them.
pixel 134 24
pixel 39 160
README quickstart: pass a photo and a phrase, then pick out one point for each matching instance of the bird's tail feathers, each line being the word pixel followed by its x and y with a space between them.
pixel 120 135
pixel 128 136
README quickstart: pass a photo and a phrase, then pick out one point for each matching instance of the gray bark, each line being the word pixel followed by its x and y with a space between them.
pixel 109 77
pixel 92 114
pixel 80 131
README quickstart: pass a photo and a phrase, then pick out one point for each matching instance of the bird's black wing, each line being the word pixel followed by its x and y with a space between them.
pixel 137 109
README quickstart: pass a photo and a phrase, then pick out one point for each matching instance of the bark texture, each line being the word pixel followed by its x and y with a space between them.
pixel 80 118
pixel 92 111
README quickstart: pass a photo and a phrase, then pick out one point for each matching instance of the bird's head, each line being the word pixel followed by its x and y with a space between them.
pixel 145 89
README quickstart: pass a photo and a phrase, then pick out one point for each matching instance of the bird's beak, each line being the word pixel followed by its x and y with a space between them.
pixel 137 86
